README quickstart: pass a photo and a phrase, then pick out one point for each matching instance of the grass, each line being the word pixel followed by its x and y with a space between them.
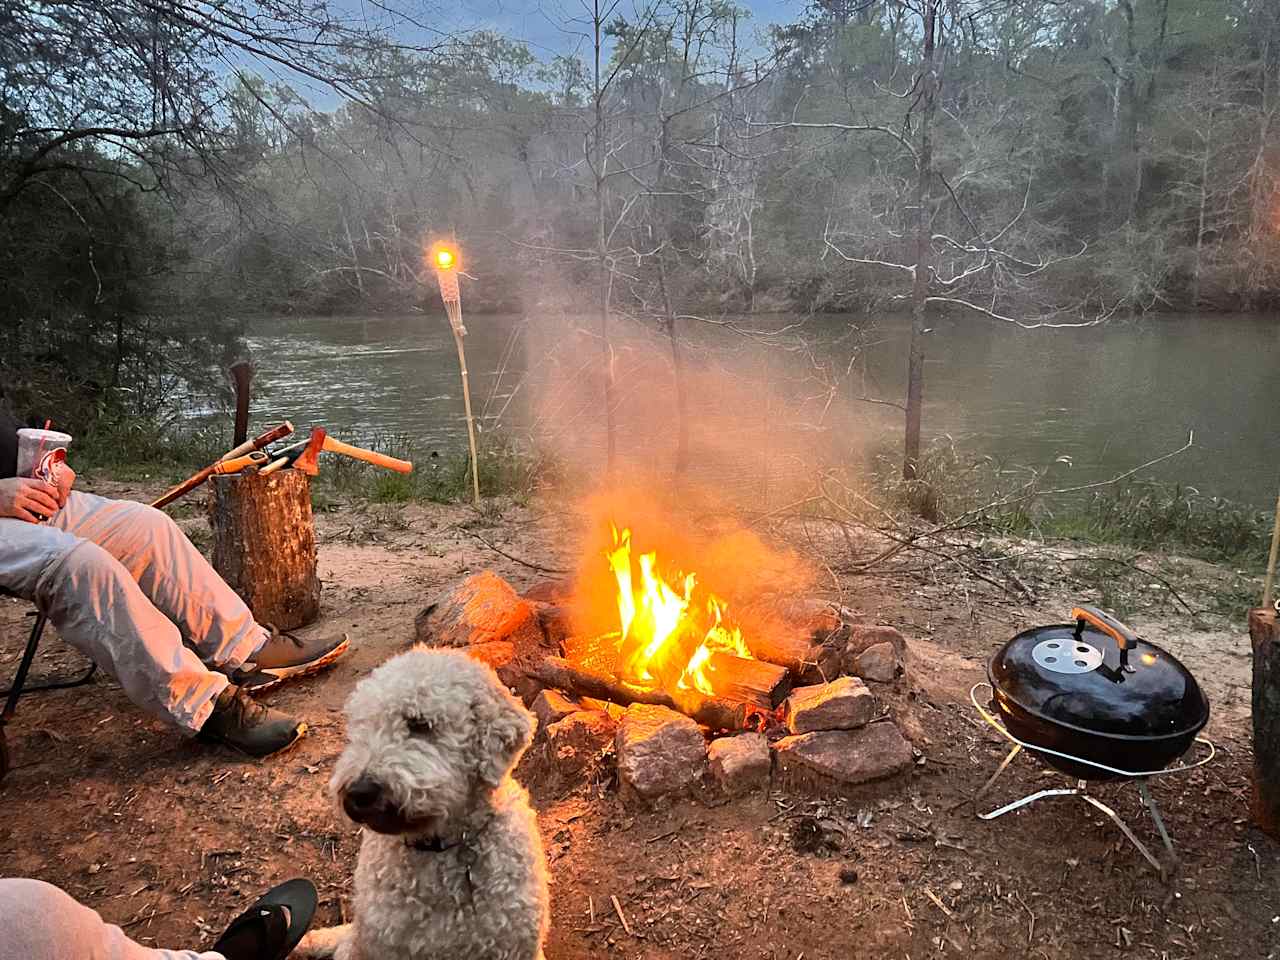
pixel 1144 513
pixel 506 469
pixel 130 450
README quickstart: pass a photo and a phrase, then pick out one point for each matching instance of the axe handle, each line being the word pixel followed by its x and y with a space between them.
pixel 233 465
pixel 368 456
pixel 260 441
pixel 255 458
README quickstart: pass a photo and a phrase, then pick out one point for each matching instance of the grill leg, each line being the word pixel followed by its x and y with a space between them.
pixel 1004 765
pixel 1149 802
pixel 1124 828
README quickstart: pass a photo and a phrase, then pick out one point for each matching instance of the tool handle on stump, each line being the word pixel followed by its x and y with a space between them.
pixel 260 441
pixel 368 456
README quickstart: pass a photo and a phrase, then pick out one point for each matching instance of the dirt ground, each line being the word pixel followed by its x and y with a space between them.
pixel 170 839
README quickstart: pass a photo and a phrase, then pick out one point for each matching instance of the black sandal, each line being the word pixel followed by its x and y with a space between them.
pixel 273 926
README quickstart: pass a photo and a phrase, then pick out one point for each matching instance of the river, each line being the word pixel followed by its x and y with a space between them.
pixel 1087 403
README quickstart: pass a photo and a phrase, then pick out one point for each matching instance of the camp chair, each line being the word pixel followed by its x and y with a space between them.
pixel 20 685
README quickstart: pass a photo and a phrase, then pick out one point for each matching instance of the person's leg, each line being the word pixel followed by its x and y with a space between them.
pixel 99 609
pixel 42 922
pixel 172 574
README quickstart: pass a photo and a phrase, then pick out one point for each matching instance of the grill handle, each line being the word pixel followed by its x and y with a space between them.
pixel 1123 635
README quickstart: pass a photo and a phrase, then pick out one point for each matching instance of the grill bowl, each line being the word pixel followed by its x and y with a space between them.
pixel 1135 721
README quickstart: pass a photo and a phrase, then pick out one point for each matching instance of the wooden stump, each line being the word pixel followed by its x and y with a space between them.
pixel 1265 635
pixel 264 544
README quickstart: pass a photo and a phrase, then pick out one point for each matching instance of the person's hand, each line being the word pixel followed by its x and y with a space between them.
pixel 25 498
pixel 66 480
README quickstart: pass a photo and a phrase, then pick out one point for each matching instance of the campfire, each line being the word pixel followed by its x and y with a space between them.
pixel 684 654
pixel 676 638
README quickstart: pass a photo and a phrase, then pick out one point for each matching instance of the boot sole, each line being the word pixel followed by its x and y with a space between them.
pixel 274 676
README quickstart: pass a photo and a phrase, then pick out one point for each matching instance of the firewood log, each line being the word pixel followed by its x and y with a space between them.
pixel 753 681
pixel 714 712
pixel 806 659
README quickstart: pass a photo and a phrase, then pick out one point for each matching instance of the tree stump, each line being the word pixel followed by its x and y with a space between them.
pixel 264 544
pixel 1265 635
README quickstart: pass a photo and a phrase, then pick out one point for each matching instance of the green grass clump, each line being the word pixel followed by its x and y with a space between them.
pixel 1155 515
pixel 1144 513
pixel 506 469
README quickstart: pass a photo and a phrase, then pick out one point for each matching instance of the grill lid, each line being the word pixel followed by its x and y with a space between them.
pixel 1076 676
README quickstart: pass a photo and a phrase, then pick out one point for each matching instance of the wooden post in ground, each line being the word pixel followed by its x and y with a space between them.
pixel 1265 636
pixel 264 544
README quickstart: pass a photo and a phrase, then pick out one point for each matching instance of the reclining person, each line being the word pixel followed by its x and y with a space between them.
pixel 124 585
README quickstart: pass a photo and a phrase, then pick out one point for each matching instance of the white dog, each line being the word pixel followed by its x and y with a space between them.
pixel 451 864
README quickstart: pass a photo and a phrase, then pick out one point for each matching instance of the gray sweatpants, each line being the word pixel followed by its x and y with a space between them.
pixel 40 922
pixel 126 587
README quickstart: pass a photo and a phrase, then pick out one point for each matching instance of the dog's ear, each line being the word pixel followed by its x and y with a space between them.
pixel 505 730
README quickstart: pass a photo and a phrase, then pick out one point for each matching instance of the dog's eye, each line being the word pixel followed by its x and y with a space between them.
pixel 420 726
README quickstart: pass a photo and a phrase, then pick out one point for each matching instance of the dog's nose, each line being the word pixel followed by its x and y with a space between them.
pixel 361 797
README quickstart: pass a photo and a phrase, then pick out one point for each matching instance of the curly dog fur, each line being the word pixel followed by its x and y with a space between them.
pixel 451 863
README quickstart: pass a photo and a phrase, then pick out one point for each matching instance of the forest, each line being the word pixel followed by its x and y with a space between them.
pixel 168 169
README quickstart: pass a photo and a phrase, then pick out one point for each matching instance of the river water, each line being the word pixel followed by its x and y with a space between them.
pixel 1085 403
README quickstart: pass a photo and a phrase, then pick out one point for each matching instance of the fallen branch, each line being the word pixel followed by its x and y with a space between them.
pixel 514 559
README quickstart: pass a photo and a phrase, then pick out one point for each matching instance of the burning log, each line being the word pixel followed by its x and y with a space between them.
pixel 753 681
pixel 714 712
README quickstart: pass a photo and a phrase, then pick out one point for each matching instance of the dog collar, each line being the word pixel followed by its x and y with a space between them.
pixel 435 844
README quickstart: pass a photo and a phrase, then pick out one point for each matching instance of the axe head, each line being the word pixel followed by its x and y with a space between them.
pixel 309 460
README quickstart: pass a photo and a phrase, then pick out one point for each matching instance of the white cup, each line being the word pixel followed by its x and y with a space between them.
pixel 41 444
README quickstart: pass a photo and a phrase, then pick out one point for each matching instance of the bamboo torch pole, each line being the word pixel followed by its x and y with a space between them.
pixel 1269 583
pixel 446 263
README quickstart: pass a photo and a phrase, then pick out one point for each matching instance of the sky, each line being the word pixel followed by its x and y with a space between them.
pixel 545 25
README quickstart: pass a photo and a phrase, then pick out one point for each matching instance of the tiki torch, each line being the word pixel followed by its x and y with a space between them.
pixel 445 260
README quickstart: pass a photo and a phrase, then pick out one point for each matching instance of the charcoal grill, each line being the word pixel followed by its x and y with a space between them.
pixel 1098 703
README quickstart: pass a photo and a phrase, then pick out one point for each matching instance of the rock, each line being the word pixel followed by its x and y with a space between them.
pixel 879 662
pixel 550 591
pixel 843 704
pixel 574 741
pixel 551 706
pixel 501 656
pixel 659 751
pixel 861 637
pixel 740 764
pixel 848 757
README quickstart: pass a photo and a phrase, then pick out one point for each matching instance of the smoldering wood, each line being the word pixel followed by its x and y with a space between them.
pixel 264 544
pixel 805 658
pixel 753 681
pixel 1264 635
pixel 714 712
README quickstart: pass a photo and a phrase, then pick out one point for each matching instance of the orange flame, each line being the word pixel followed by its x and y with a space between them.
pixel 659 620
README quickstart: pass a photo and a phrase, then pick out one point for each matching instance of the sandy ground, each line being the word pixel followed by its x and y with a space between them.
pixel 170 838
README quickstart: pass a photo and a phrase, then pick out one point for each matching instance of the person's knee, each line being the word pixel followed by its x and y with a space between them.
pixel 45 922
pixel 84 565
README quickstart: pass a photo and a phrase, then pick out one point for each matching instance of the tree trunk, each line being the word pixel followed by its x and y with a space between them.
pixel 264 545
pixel 677 366
pixel 924 250
pixel 1265 635
pixel 603 267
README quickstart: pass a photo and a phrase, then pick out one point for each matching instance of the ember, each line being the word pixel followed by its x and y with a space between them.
pixel 669 635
